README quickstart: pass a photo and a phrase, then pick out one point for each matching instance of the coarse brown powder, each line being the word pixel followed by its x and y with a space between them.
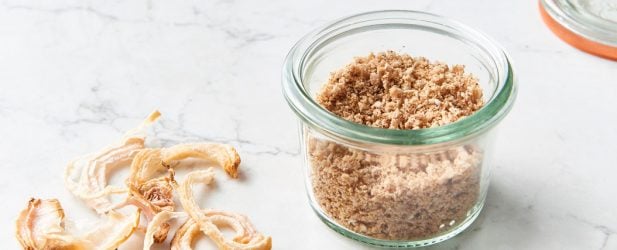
pixel 397 196
pixel 397 91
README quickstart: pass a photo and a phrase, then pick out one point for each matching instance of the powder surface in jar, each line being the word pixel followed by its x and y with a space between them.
pixel 403 195
pixel 397 91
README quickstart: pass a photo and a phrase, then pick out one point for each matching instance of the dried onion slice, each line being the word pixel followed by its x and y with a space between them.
pixel 146 164
pixel 40 218
pixel 224 155
pixel 41 226
pixel 154 194
pixel 150 194
pixel 158 224
pixel 116 229
pixel 150 162
pixel 183 239
pixel 209 221
pixel 186 193
pixel 90 184
pixel 157 199
pixel 245 233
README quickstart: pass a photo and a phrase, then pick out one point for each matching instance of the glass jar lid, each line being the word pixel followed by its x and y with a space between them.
pixel 589 25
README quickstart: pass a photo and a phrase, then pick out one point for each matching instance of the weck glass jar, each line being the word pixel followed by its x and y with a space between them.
pixel 397 188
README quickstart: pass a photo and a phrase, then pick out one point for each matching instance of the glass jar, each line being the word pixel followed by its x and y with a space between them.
pixel 397 188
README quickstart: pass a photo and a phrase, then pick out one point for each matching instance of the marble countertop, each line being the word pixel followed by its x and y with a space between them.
pixel 75 74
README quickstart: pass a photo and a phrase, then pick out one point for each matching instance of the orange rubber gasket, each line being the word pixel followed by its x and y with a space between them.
pixel 577 41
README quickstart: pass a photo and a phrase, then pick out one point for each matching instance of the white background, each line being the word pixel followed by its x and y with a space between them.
pixel 75 74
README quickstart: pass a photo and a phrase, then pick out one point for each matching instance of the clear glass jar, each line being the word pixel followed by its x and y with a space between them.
pixel 397 188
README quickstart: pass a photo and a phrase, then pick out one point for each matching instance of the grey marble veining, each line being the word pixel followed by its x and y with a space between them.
pixel 75 74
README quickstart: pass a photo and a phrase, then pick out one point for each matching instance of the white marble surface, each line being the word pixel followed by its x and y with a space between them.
pixel 74 74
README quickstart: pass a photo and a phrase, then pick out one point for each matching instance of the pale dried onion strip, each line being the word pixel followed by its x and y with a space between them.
pixel 116 229
pixel 154 194
pixel 151 162
pixel 150 194
pixel 153 203
pixel 41 226
pixel 186 193
pixel 146 164
pixel 183 239
pixel 39 218
pixel 158 224
pixel 209 221
pixel 245 233
pixel 224 155
pixel 90 184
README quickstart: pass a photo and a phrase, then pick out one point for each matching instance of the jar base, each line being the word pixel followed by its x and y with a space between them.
pixel 475 212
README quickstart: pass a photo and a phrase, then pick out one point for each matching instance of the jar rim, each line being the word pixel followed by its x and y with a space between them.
pixel 309 111
pixel 581 27
pixel 581 21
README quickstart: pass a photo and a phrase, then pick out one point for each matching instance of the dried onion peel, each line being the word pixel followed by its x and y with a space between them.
pixel 153 193
pixel 157 223
pixel 152 162
pixel 224 155
pixel 41 226
pixel 209 221
pixel 90 184
pixel 244 230
pixel 183 239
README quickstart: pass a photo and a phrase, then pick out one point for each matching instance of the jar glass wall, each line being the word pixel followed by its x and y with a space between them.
pixel 397 187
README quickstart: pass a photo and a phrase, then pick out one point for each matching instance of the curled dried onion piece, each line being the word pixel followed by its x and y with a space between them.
pixel 154 194
pixel 224 155
pixel 90 184
pixel 151 162
pixel 146 164
pixel 245 232
pixel 186 193
pixel 41 226
pixel 158 199
pixel 183 239
pixel 209 221
pixel 150 194
pixel 40 218
pixel 158 224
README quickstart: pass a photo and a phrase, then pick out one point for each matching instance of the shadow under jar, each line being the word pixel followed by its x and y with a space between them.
pixel 397 188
